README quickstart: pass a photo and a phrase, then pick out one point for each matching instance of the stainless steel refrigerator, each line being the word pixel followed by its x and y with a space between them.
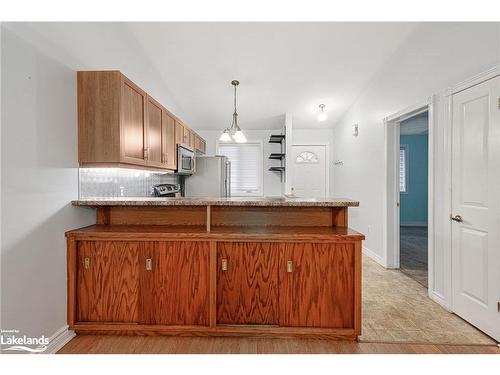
pixel 212 178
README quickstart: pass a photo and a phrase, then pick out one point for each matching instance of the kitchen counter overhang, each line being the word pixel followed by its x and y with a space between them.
pixel 234 201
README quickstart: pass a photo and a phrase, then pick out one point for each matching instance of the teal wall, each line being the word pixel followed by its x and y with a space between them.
pixel 413 208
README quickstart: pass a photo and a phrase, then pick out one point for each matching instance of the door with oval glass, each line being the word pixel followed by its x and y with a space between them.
pixel 309 165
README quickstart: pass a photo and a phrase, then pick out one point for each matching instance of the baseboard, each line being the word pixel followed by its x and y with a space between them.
pixel 59 339
pixel 377 258
pixel 439 299
pixel 413 224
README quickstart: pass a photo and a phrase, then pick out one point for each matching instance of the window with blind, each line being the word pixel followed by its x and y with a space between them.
pixel 246 167
pixel 403 173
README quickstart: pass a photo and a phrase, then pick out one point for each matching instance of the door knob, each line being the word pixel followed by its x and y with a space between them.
pixel 457 218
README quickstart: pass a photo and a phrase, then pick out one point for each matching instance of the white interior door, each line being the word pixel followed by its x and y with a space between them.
pixel 475 198
pixel 309 171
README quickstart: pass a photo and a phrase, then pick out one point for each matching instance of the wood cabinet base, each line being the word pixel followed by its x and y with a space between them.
pixel 273 281
pixel 224 330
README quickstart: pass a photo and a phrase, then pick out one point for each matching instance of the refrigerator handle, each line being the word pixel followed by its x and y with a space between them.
pixel 227 182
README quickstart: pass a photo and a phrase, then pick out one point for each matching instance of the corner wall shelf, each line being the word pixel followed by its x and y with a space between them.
pixel 276 138
pixel 277 169
pixel 277 156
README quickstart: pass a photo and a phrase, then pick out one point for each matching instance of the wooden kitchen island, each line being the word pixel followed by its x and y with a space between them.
pixel 216 266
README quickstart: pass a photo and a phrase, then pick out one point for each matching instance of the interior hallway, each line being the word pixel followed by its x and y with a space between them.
pixel 413 253
pixel 396 308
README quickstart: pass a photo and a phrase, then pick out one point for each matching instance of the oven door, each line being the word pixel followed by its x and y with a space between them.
pixel 185 160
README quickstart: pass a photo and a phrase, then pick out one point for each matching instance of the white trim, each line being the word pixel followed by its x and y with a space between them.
pixel 438 298
pixel 391 220
pixel 372 255
pixel 59 339
pixel 327 162
pixel 475 80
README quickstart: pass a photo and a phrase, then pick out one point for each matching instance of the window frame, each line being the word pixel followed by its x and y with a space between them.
pixel 260 163
pixel 406 149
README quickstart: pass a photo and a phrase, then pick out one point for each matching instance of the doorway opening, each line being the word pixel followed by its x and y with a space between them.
pixel 413 197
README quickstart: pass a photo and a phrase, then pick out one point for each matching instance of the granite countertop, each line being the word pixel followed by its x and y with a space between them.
pixel 235 201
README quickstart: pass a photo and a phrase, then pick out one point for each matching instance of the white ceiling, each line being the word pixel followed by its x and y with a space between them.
pixel 281 66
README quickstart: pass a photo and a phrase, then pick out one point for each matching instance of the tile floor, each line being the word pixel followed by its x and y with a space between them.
pixel 396 308
pixel 413 253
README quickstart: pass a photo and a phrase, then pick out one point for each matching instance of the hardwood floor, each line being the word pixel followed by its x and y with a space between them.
pixel 236 345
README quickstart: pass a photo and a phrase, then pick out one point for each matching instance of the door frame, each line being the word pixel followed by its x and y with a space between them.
pixel 391 221
pixel 327 162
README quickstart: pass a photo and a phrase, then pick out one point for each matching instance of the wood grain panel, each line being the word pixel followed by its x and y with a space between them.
pixel 319 292
pixel 133 129
pixel 247 293
pixel 179 133
pixel 98 116
pixel 176 290
pixel 195 215
pixel 108 290
pixel 279 216
pixel 168 144
pixel 155 115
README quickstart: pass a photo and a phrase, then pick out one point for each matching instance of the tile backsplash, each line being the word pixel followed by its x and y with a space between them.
pixel 119 182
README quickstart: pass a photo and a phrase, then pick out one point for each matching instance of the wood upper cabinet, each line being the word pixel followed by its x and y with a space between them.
pixel 118 123
pixel 168 144
pixel 175 283
pixel 155 120
pixel 200 144
pixel 317 287
pixel 108 281
pixel 247 283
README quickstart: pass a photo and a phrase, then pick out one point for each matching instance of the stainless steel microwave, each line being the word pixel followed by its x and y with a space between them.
pixel 185 160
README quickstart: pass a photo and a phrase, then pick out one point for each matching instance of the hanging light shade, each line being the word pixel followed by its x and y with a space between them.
pixel 233 132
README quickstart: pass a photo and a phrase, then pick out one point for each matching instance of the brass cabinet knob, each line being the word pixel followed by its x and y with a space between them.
pixel 224 264
pixel 149 264
pixel 86 263
pixel 289 266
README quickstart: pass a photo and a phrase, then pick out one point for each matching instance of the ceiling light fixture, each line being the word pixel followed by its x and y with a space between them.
pixel 234 130
pixel 322 114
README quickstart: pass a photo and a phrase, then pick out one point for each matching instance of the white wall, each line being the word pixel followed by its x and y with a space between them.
pixel 38 181
pixel 430 60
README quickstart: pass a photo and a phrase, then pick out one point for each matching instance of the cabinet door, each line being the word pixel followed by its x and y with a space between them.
pixel 318 289
pixel 155 121
pixel 108 281
pixel 179 133
pixel 133 123
pixel 168 145
pixel 247 283
pixel 175 283
pixel 200 144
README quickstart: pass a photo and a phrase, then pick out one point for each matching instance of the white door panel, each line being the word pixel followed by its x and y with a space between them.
pixel 475 197
pixel 309 171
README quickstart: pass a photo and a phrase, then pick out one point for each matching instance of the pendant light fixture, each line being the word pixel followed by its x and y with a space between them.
pixel 322 114
pixel 233 132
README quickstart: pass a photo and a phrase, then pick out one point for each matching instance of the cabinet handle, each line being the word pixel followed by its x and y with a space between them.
pixel 224 264
pixel 149 264
pixel 289 266
pixel 146 154
pixel 86 263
